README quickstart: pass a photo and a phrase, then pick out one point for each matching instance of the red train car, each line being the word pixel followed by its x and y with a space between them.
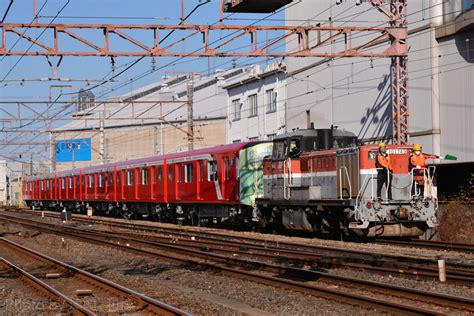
pixel 197 184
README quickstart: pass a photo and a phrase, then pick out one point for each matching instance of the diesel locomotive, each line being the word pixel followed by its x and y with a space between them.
pixel 316 180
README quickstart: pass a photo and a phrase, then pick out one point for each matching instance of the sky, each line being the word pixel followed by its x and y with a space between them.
pixel 26 78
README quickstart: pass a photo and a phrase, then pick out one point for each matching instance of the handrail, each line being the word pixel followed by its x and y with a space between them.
pixel 348 181
pixel 365 182
pixel 286 179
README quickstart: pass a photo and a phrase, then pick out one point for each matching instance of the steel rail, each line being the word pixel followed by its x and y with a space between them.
pixel 341 295
pixel 44 287
pixel 150 304
pixel 430 244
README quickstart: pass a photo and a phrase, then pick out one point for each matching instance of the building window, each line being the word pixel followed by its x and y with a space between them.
pixel 253 105
pixel 212 171
pixel 189 173
pixel 467 4
pixel 271 101
pixel 236 109
pixel 144 176
pixel 129 177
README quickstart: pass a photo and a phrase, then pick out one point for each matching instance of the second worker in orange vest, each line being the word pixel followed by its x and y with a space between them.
pixel 417 163
pixel 383 164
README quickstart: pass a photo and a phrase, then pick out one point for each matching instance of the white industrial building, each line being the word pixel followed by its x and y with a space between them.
pixel 355 94
pixel 256 103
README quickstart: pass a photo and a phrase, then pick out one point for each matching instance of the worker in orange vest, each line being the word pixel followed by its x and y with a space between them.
pixel 417 163
pixel 383 164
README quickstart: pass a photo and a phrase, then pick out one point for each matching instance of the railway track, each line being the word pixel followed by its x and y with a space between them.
pixel 354 291
pixel 66 304
pixel 318 257
pixel 69 284
pixel 430 244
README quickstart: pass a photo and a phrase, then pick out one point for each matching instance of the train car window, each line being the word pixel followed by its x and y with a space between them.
pixel 212 171
pixel 226 168
pixel 202 171
pixel 159 174
pixel 70 182
pixel 189 173
pixel 101 180
pixel 180 173
pixel 47 184
pixel 170 173
pixel 91 181
pixel 144 176
pixel 279 149
pixel 63 183
pixel 42 185
pixel 129 177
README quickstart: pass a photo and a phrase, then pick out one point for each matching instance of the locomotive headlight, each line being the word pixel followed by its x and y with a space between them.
pixel 369 204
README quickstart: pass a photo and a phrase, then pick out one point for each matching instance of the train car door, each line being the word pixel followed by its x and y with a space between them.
pixel 159 186
pixel 200 178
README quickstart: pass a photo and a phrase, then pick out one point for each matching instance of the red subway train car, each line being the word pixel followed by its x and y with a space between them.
pixel 200 184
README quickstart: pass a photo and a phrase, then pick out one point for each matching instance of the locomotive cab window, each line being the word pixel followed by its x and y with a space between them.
pixel 295 148
pixel 311 144
pixel 129 177
pixel 144 174
pixel 188 173
pixel 279 149
pixel 212 171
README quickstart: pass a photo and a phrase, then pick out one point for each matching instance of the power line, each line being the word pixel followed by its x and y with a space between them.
pixel 31 45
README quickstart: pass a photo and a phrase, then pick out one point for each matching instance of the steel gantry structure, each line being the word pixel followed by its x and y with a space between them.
pixel 313 40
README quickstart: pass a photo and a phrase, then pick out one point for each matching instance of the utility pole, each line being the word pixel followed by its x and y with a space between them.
pixel 52 153
pixel 190 116
pixel 31 164
pixel 102 140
